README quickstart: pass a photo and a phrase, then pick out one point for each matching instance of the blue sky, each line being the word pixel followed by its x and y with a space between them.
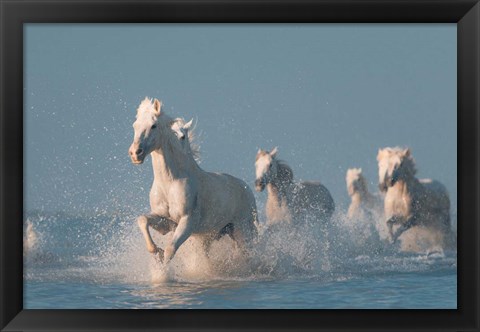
pixel 328 95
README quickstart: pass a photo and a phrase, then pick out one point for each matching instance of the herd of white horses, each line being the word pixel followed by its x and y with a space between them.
pixel 188 201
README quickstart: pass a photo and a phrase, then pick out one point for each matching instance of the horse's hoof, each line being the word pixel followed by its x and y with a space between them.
pixel 159 257
pixel 158 254
pixel 152 249
pixel 155 250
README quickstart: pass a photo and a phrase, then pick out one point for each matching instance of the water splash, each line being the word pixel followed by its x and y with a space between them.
pixel 107 248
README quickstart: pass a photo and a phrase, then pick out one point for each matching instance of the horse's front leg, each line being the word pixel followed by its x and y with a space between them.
pixel 160 224
pixel 403 227
pixel 182 232
pixel 390 222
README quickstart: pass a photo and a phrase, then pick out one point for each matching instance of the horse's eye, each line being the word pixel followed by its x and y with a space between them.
pixel 270 166
pixel 154 126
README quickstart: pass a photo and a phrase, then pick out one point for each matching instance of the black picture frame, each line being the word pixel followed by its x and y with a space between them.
pixel 15 13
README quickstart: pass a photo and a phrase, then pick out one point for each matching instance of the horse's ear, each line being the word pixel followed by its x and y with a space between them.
pixel 407 152
pixel 273 153
pixel 259 153
pixel 157 106
pixel 188 124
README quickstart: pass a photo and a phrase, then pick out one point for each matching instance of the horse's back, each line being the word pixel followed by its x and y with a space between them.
pixel 437 193
pixel 314 195
pixel 235 183
pixel 433 185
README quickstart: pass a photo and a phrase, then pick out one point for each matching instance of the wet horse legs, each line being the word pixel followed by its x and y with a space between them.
pixel 160 224
pixel 410 222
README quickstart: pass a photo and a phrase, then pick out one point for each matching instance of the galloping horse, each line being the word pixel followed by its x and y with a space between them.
pixel 409 201
pixel 363 203
pixel 184 198
pixel 181 129
pixel 289 201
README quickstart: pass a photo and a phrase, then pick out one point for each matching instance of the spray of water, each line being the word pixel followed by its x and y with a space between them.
pixel 107 248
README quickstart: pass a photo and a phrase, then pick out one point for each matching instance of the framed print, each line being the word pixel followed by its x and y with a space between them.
pixel 267 165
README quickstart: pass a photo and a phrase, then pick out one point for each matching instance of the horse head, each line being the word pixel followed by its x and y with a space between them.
pixel 355 180
pixel 180 128
pixel 147 128
pixel 265 168
pixel 394 164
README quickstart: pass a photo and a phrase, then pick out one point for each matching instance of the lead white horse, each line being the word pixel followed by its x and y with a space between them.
pixel 184 198
pixel 290 201
pixel 410 202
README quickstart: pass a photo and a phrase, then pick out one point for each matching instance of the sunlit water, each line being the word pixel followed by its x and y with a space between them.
pixel 101 262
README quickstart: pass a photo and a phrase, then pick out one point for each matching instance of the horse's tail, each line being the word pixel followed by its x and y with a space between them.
pixel 450 238
pixel 446 221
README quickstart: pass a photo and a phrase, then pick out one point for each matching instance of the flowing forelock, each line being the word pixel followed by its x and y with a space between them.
pixel 145 106
pixel 408 161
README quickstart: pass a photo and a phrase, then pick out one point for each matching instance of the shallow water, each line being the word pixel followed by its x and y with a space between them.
pixel 101 262
pixel 433 290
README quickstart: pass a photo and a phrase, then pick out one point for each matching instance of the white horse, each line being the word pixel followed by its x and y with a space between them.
pixel 410 202
pixel 30 238
pixel 365 212
pixel 184 198
pixel 363 204
pixel 181 129
pixel 288 201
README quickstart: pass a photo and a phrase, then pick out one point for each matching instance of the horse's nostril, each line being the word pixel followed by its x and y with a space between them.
pixel 259 183
pixel 139 151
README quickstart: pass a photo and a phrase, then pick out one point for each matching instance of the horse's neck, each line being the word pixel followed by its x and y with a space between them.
pixel 278 191
pixel 275 196
pixel 362 195
pixel 357 198
pixel 407 187
pixel 169 165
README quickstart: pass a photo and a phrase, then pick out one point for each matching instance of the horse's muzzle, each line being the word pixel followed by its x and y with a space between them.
pixel 382 187
pixel 259 185
pixel 137 161
pixel 137 155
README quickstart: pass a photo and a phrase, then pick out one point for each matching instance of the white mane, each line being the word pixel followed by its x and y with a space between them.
pixel 353 174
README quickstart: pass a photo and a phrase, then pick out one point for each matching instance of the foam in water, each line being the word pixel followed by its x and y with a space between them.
pixel 106 249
